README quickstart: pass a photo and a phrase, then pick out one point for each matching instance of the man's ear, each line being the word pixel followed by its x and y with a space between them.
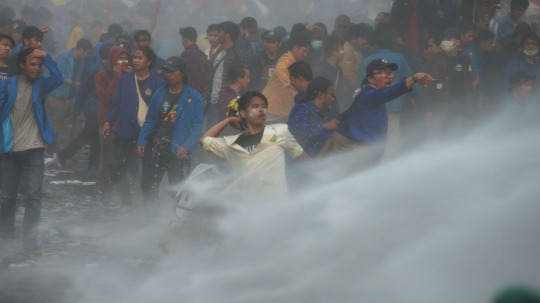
pixel 243 113
pixel 26 42
pixel 370 80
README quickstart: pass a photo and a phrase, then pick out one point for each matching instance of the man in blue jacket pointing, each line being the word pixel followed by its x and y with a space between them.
pixel 26 130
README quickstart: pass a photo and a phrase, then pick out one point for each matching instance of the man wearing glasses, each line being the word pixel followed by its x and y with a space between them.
pixel 383 39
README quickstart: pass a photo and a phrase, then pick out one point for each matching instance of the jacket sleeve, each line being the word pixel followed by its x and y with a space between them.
pixel 195 133
pixel 115 108
pixel 282 72
pixel 430 69
pixel 151 120
pixel 55 79
pixel 63 65
pixel 382 96
pixel 105 87
pixel 299 124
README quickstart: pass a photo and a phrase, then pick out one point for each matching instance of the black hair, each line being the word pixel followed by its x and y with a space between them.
pixel 114 29
pixel 149 53
pixel 300 40
pixel 4 36
pixel 27 10
pixel 212 27
pixel 484 35
pixel 8 12
pixel 43 13
pixel 332 44
pixel 32 32
pixel 297 29
pixel 315 86
pixel 383 36
pixel 97 23
pixel 436 37
pixel 104 51
pixel 359 30
pixel 21 58
pixel 231 28
pixel 237 71
pixel 246 98
pixel 531 36
pixel 75 15
pixel 316 34
pixel 519 3
pixel 301 69
pixel 85 44
pixel 103 37
pixel 322 25
pixel 466 26
pixel 125 41
pixel 189 33
pixel 142 33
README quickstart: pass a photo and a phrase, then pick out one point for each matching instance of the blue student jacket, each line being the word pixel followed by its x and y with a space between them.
pixel 189 119
pixel 517 64
pixel 125 106
pixel 404 70
pixel 87 96
pixel 505 29
pixel 8 94
pixel 309 134
pixel 366 121
pixel 65 64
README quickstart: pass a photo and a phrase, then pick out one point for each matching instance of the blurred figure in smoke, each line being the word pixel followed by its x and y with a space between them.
pixel 279 90
pixel 246 44
pixel 227 56
pixel 466 45
pixel 15 31
pixel 106 82
pixel 365 123
pixel 410 19
pixel 6 45
pixel 212 35
pixel 5 25
pixel 128 110
pixel 315 51
pixel 257 155
pixel 125 41
pixel 341 27
pixel 97 29
pixel 127 27
pixel 32 37
pixel 42 18
pixel 330 69
pixel 27 14
pixel 199 70
pixel 527 61
pixel 300 74
pixel 113 32
pixel 76 34
pixel 144 38
pixel 24 140
pixel 382 17
pixel 352 60
pixel 308 122
pixel 449 105
pixel 172 127
pixel 61 100
pixel 520 91
pixel 266 59
pixel 508 24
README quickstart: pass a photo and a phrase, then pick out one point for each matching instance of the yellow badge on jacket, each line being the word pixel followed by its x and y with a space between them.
pixel 189 100
pixel 274 139
pixel 148 92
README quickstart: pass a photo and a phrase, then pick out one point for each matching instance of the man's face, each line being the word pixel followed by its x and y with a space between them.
pixel 244 82
pixel 467 38
pixel 32 68
pixel 517 13
pixel 341 30
pixel 487 45
pixel 27 18
pixel 358 43
pixel 16 36
pixel 139 60
pixel 5 48
pixel 382 78
pixel 296 83
pixel 299 52
pixel 97 32
pixel 271 46
pixel 530 45
pixel 144 40
pixel 380 19
pixel 173 77
pixel 33 42
pixel 433 48
pixel 122 60
pixel 212 37
pixel 339 54
pixel 328 99
pixel 84 54
pixel 525 89
pixel 255 114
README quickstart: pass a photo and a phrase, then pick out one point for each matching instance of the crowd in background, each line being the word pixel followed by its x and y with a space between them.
pixel 151 93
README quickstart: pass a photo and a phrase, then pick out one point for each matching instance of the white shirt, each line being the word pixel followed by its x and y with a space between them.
pixel 259 176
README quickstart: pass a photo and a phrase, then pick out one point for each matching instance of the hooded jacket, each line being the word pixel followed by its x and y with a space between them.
pixel 106 84
pixel 40 89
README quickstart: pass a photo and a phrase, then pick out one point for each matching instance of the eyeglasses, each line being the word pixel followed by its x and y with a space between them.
pixel 386 74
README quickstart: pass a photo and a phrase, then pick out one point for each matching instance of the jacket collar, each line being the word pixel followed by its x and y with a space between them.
pixel 268 136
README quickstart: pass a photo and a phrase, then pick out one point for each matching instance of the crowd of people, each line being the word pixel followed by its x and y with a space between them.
pixel 258 98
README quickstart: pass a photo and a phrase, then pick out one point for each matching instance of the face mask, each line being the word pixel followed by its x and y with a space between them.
pixel 447 46
pixel 316 44
pixel 530 53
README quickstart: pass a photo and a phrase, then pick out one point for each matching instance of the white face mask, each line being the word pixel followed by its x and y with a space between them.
pixel 447 46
